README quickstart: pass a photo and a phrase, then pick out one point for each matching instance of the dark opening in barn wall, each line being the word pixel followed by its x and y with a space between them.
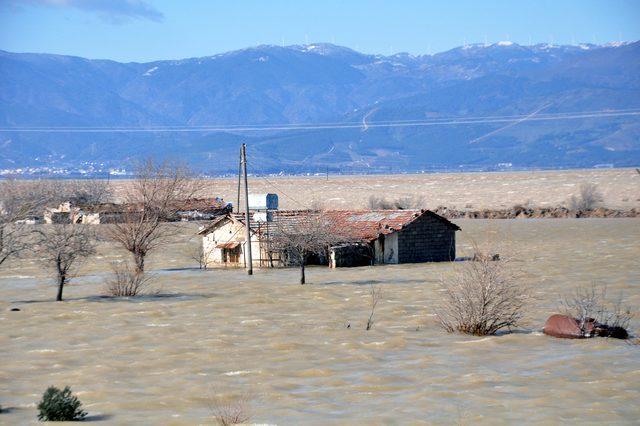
pixel 348 255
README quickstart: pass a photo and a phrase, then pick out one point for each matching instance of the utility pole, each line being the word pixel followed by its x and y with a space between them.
pixel 249 259
pixel 239 180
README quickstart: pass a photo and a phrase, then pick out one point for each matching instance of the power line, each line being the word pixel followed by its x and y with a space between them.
pixel 280 190
pixel 455 119
pixel 450 121
pixel 513 123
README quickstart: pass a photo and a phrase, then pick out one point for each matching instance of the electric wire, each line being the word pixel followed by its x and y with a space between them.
pixel 448 121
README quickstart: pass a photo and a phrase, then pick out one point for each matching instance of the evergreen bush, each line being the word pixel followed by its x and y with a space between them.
pixel 60 405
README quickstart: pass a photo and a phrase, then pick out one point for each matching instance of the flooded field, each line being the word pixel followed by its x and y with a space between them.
pixel 620 188
pixel 164 359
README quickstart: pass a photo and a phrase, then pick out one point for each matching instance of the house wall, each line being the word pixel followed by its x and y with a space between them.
pixel 228 233
pixel 391 248
pixel 91 218
pixel 427 239
pixel 378 251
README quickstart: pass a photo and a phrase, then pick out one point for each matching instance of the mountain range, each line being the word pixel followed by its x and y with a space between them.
pixel 323 107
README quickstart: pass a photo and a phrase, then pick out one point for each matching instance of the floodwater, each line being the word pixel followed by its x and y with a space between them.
pixel 164 359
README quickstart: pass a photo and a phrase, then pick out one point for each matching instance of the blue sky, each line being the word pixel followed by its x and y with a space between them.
pixel 145 30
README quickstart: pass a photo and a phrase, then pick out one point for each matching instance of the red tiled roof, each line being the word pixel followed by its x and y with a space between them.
pixel 368 225
pixel 359 225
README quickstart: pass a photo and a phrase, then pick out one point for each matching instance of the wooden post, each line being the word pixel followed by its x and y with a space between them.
pixel 249 258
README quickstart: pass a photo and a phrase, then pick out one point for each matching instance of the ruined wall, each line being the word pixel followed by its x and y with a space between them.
pixel 427 239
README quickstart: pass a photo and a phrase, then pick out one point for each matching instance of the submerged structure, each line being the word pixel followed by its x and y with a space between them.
pixel 109 213
pixel 360 237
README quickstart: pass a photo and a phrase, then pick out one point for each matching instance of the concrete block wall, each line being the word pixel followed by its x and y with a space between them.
pixel 427 239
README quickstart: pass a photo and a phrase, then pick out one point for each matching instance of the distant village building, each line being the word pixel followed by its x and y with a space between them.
pixel 372 237
pixel 106 213
pixel 64 213
pixel 30 220
pixel 202 209
pixel 93 214
pixel 103 213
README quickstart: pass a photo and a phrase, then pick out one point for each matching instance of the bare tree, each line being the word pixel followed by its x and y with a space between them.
pixel 376 294
pixel 588 198
pixel 85 192
pixel 591 304
pixel 380 203
pixel 410 202
pixel 126 281
pixel 65 247
pixel 403 203
pixel 483 298
pixel 19 200
pixel 152 201
pixel 202 255
pixel 301 236
pixel 231 410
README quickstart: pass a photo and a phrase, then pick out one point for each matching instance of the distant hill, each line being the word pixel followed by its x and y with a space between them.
pixel 376 100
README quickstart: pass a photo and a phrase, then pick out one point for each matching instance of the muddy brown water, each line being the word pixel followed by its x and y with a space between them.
pixel 164 359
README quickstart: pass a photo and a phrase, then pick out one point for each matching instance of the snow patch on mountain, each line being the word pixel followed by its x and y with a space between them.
pixel 150 71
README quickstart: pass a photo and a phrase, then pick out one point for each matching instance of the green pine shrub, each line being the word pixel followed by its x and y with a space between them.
pixel 60 405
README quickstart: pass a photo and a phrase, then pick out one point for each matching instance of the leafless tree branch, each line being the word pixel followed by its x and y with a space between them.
pixel 588 199
pixel 64 247
pixel 483 298
pixel 152 200
pixel 304 235
pixel 19 200
pixel 402 203
pixel 376 294
pixel 126 281
pixel 231 410
pixel 591 303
